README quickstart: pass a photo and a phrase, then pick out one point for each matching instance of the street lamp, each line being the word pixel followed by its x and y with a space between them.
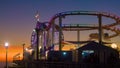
pixel 6 46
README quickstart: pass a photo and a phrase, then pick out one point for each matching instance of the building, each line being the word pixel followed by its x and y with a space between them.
pixel 93 52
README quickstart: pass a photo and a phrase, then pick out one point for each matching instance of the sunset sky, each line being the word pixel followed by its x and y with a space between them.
pixel 12 51
pixel 17 17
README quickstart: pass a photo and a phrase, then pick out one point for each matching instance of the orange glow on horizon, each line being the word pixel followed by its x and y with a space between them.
pixel 12 51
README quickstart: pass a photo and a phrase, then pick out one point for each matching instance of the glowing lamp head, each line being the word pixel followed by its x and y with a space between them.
pixel 113 45
pixel 6 44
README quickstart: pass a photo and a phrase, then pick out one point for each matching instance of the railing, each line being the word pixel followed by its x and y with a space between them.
pixel 80 25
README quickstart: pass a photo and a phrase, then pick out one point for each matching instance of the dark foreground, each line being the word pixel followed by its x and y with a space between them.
pixel 44 64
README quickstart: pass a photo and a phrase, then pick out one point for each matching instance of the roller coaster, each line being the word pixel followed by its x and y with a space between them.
pixel 47 35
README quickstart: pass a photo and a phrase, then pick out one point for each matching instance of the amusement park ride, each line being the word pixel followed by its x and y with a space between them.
pixel 43 36
pixel 47 35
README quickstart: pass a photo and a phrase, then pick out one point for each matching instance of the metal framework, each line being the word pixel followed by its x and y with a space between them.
pixel 43 37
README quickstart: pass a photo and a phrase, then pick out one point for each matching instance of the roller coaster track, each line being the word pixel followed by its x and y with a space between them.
pixel 80 27
pixel 93 13
pixel 46 31
pixel 75 27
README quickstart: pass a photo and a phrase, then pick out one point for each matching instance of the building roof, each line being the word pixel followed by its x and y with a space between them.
pixel 95 46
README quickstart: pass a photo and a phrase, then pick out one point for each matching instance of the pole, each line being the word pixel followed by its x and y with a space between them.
pixel 53 30
pixel 6 57
pixel 60 33
pixel 37 48
pixel 100 28
pixel 78 35
pixel 23 50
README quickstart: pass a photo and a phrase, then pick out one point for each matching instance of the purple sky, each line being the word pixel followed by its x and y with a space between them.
pixel 17 16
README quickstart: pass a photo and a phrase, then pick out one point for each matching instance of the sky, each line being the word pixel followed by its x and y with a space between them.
pixel 17 17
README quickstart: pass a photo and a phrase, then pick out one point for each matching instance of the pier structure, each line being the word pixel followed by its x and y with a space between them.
pixel 48 34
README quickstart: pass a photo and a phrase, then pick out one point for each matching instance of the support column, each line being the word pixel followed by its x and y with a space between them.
pixel 37 47
pixel 60 33
pixel 78 37
pixel 53 30
pixel 23 50
pixel 100 28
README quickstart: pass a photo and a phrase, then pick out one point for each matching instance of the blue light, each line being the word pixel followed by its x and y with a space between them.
pixel 64 53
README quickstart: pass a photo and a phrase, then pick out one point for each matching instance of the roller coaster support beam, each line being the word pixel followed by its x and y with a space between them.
pixel 60 33
pixel 78 35
pixel 100 28
pixel 37 47
pixel 53 30
pixel 23 50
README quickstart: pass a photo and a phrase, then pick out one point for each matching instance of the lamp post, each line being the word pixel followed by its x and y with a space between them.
pixel 23 51
pixel 6 46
